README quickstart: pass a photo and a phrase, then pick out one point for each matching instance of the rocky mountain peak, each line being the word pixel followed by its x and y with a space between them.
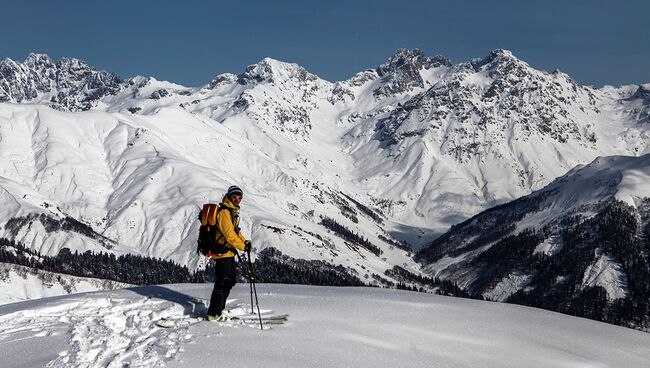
pixel 222 79
pixel 401 72
pixel 406 59
pixel 270 71
pixel 69 84
pixel 498 57
pixel 500 64
pixel 73 64
pixel 643 92
pixel 642 108
pixel 487 99
pixel 36 61
pixel 401 60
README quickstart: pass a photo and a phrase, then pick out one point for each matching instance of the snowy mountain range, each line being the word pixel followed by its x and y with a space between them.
pixel 68 84
pixel 396 154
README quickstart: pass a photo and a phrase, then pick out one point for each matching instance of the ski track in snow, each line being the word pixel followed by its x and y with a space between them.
pixel 115 331
pixel 94 325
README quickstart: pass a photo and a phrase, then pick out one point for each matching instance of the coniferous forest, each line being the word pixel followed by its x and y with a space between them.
pixel 615 235
pixel 557 279
pixel 130 269
pixel 349 235
pixel 271 266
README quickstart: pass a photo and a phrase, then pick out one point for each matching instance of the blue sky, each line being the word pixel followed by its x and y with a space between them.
pixel 189 42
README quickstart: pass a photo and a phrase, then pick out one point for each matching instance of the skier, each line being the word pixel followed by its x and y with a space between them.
pixel 225 266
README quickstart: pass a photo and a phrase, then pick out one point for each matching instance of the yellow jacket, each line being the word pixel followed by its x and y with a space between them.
pixel 225 223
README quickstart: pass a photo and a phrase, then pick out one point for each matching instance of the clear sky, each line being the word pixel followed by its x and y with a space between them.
pixel 189 42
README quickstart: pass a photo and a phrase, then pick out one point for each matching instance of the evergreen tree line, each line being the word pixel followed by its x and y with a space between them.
pixel 505 256
pixel 367 211
pixel 619 230
pixel 130 269
pixel 399 244
pixel 557 279
pixel 346 234
pixel 271 266
pixel 413 282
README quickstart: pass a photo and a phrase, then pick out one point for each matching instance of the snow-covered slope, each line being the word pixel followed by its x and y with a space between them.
pixel 400 152
pixel 584 237
pixel 328 327
pixel 486 132
pixel 19 283
pixel 137 182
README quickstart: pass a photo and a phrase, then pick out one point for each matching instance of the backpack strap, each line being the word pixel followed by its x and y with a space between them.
pixel 234 218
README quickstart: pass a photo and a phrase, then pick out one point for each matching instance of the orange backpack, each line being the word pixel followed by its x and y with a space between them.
pixel 209 233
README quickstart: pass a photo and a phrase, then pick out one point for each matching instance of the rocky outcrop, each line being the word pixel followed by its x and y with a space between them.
pixel 68 84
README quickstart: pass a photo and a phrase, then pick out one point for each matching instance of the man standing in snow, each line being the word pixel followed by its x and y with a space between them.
pixel 225 266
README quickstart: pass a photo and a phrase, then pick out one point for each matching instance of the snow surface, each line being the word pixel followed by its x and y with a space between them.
pixel 507 286
pixel 550 246
pixel 606 272
pixel 585 188
pixel 328 327
pixel 19 283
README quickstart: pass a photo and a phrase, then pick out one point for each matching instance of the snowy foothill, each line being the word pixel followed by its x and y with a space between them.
pixel 327 327
pixel 18 283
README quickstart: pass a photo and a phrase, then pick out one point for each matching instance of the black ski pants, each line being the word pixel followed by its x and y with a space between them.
pixel 225 272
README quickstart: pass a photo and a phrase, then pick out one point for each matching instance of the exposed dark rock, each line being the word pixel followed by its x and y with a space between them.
pixel 401 73
pixel 161 93
pixel 222 79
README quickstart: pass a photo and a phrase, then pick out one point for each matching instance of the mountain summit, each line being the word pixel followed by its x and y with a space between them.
pixel 69 84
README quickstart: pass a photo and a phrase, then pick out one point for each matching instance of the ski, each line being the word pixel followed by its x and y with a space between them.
pixel 270 319
pixel 177 322
pixel 248 319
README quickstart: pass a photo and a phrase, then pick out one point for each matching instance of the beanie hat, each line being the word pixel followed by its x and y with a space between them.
pixel 234 190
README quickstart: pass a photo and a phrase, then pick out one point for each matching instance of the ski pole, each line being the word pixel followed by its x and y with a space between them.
pixel 251 276
pixel 250 284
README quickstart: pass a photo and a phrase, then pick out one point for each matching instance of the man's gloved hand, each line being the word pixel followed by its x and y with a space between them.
pixel 247 246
